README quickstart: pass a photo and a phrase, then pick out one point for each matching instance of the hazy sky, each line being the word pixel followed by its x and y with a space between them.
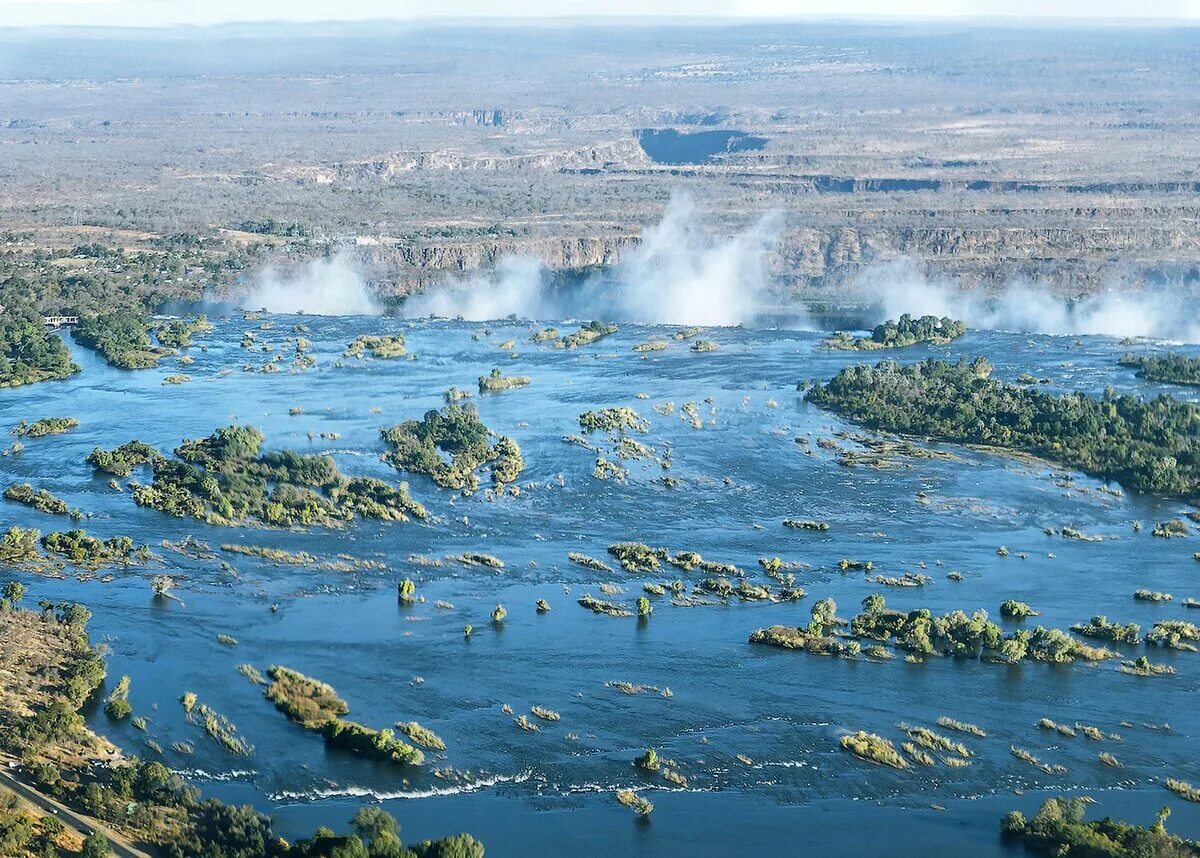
pixel 165 12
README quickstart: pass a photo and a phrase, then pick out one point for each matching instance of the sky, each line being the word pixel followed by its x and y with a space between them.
pixel 159 13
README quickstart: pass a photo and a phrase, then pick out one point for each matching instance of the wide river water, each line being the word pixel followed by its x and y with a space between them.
pixel 739 477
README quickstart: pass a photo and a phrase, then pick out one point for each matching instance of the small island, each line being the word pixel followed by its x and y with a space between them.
pixel 417 447
pixel 382 348
pixel 897 334
pixel 586 335
pixel 1146 445
pixel 121 338
pixel 178 333
pixel 496 381
pixel 226 478
pixel 1171 368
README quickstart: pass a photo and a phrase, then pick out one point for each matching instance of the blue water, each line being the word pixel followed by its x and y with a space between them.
pixel 739 477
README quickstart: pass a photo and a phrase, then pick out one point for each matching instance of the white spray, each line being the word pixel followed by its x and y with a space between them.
pixel 515 286
pixel 1160 313
pixel 677 274
pixel 324 287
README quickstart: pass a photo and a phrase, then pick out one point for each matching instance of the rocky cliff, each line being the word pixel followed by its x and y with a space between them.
pixel 1069 259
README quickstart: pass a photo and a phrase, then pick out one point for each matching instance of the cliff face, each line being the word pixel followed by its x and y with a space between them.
pixel 401 268
pixel 1068 258
pixel 1075 257
pixel 616 154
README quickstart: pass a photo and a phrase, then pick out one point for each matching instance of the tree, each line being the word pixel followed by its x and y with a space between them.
pixel 224 831
pixel 874 603
pixel 74 615
pixel 95 845
pixel 648 760
pixel 455 846
pixel 1013 823
pixel 823 614
pixel 14 592
pixel 151 777
pixel 388 846
pixel 16 829
pixel 370 822
pixel 52 826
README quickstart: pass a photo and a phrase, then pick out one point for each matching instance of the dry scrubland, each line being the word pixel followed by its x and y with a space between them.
pixel 36 656
pixel 983 154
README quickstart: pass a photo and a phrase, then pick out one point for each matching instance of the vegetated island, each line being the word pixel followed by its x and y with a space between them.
pixel 586 335
pixel 122 339
pixel 45 426
pixel 315 706
pixel 921 633
pixel 47 679
pixel 225 478
pixel 28 352
pixel 1146 445
pixel 42 500
pixel 1171 368
pixel 496 381
pixel 898 334
pixel 1059 828
pixel 178 333
pixel 417 445
pixel 20 547
pixel 382 347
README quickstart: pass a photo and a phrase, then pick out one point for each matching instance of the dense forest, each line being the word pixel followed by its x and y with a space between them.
pixel 1059 828
pixel 1171 368
pixel 30 353
pixel 112 290
pixel 1147 445
pixel 121 337
pixel 94 278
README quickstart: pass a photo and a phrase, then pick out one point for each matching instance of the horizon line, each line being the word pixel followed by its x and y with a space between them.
pixel 1048 21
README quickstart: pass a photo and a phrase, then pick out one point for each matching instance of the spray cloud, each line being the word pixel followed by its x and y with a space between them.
pixel 677 274
pixel 332 286
pixel 1159 313
pixel 514 286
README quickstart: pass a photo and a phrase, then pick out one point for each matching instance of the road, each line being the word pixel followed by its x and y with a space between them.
pixel 82 825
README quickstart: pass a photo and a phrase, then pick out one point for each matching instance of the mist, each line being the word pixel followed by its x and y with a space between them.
pixel 332 286
pixel 516 286
pixel 1160 313
pixel 679 273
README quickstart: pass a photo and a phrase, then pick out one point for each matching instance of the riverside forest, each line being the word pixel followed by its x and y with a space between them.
pixel 439 462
